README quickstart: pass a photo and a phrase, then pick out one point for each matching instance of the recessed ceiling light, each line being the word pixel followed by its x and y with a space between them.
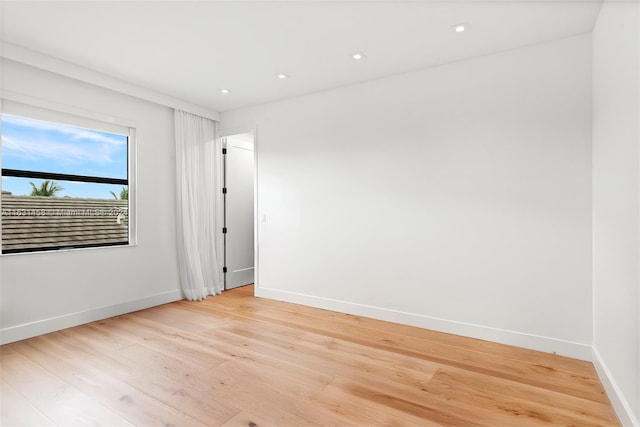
pixel 358 56
pixel 225 91
pixel 282 76
pixel 459 28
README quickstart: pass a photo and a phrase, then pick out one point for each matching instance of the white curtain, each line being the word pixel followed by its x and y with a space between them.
pixel 199 206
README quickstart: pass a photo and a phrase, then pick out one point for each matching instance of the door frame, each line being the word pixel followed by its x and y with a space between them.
pixel 224 133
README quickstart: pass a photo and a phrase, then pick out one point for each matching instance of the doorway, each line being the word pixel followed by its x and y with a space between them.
pixel 238 196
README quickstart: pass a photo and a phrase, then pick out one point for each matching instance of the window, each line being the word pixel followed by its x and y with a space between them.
pixel 63 186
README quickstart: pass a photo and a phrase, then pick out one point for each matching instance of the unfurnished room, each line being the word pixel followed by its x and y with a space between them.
pixel 320 213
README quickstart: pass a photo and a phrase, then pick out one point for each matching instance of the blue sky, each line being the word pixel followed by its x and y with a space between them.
pixel 35 145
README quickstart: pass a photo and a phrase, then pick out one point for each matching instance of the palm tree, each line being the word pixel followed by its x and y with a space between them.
pixel 124 194
pixel 47 189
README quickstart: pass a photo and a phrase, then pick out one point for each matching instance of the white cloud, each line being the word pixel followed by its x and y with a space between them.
pixel 65 152
pixel 73 132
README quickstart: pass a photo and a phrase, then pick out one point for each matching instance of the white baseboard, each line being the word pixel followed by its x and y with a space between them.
pixel 28 330
pixel 618 401
pixel 518 339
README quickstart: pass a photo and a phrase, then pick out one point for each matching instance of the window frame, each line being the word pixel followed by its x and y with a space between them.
pixel 86 120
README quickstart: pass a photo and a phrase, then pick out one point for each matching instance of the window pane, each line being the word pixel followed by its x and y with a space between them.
pixel 36 145
pixel 52 222
pixel 43 211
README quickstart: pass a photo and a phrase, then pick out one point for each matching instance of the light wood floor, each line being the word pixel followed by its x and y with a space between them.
pixel 236 360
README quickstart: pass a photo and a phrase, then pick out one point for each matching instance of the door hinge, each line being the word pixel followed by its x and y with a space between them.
pixel 224 151
pixel 224 230
pixel 224 269
pixel 224 190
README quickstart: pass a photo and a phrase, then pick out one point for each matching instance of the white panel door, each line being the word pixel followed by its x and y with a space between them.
pixel 239 210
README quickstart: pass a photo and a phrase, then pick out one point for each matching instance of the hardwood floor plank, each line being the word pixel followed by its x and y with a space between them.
pixel 204 396
pixel 368 396
pixel 346 360
pixel 235 360
pixel 291 403
pixel 170 314
pixel 502 408
pixel 103 384
pixel 225 349
pixel 422 403
pixel 172 388
pixel 580 384
pixel 17 411
pixel 59 401
pixel 167 340
pixel 178 384
pixel 575 410
pixel 335 320
pixel 246 419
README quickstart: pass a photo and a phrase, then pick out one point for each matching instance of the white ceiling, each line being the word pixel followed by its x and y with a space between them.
pixel 192 49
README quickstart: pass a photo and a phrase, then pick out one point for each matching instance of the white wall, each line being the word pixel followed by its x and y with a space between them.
pixel 616 204
pixel 47 291
pixel 456 198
